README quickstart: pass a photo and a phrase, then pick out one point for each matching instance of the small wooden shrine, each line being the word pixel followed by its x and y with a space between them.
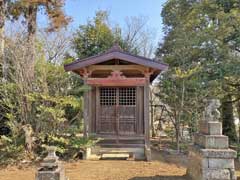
pixel 116 108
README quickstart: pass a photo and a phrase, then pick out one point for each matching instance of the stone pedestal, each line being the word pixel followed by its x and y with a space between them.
pixel 210 157
pixel 51 168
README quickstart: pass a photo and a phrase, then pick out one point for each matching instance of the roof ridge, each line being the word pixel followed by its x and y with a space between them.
pixel 115 49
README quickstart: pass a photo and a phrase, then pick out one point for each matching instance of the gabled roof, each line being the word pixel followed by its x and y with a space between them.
pixel 115 53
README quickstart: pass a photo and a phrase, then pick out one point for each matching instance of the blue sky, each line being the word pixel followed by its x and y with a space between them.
pixel 82 10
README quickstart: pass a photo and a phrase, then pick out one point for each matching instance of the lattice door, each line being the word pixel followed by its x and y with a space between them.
pixel 127 111
pixel 117 112
pixel 107 114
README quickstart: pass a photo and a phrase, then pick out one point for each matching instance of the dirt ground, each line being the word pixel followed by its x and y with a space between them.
pixel 160 168
pixel 164 166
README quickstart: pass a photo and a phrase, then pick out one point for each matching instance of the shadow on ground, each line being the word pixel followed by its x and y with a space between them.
pixel 161 178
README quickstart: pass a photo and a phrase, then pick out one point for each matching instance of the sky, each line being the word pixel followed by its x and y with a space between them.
pixel 82 10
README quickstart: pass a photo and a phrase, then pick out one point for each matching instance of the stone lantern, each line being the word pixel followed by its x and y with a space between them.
pixel 210 158
pixel 51 168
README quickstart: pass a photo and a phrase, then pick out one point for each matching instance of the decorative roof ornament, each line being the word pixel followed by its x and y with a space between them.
pixel 211 112
pixel 116 75
pixel 115 48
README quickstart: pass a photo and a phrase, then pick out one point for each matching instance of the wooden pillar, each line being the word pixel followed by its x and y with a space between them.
pixel 89 130
pixel 97 109
pixel 85 112
pixel 86 105
pixel 146 119
pixel 139 110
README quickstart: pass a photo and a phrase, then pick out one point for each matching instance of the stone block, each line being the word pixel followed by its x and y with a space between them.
pixel 211 141
pixel 220 163
pixel 216 174
pixel 210 128
pixel 148 154
pixel 58 174
pixel 218 153
pixel 212 153
pixel 214 163
pixel 217 164
pixel 87 153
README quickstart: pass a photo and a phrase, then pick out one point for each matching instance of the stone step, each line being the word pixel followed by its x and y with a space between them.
pixel 115 156
pixel 134 153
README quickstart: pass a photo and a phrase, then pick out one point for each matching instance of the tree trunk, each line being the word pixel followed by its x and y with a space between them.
pixel 29 139
pixel 152 121
pixel 153 134
pixel 238 110
pixel 178 118
pixel 3 63
pixel 177 129
pixel 32 28
pixel 29 62
pixel 228 118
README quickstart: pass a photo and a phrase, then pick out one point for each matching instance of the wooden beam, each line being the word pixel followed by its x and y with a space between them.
pixel 116 79
pixel 116 82
pixel 117 67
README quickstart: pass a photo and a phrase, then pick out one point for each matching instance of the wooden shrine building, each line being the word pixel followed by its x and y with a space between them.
pixel 116 108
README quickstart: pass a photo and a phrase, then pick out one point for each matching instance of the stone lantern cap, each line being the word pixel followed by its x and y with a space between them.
pixel 51 160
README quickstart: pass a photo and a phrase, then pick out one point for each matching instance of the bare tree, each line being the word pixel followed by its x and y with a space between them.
pixel 56 45
pixel 29 9
pixel 138 37
pixel 16 50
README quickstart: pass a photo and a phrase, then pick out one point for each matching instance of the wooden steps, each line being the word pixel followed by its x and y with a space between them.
pixel 121 145
pixel 116 154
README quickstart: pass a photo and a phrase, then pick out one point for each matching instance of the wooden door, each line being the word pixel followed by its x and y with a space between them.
pixel 117 110
pixel 127 110
pixel 107 111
